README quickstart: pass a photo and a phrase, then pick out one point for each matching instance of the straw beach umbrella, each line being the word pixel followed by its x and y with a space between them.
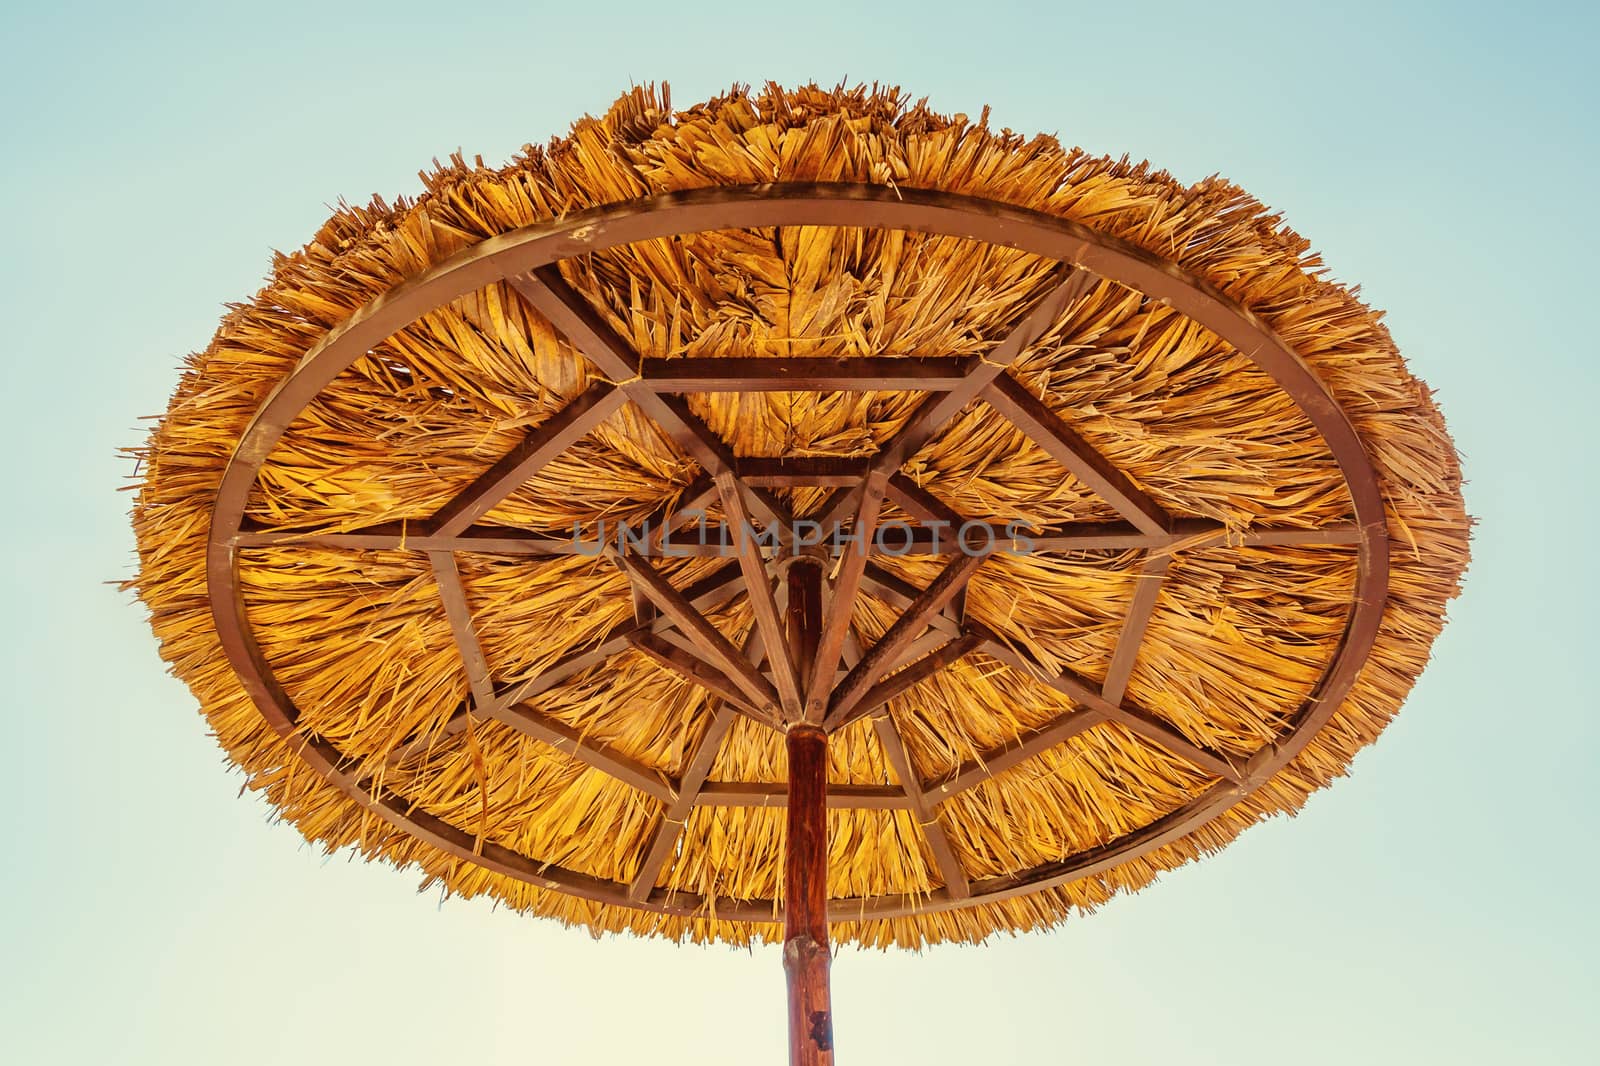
pixel 801 516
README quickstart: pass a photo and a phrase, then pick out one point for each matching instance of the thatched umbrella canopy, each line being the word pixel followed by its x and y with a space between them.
pixel 484 533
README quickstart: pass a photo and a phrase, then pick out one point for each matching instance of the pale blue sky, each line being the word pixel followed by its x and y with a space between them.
pixel 1435 907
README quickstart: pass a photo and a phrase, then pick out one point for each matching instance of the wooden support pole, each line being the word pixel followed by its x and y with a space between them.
pixel 805 868
pixel 805 915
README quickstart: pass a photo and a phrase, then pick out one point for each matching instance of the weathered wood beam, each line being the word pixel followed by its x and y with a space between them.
pixel 880 658
pixel 999 759
pixel 664 837
pixel 546 441
pixel 1152 572
pixel 758 587
pixel 447 576
pixel 764 794
pixel 692 668
pixel 902 681
pixel 1028 413
pixel 846 585
pixel 939 409
pixel 522 719
pixel 547 292
pixel 802 471
pixel 809 374
pixel 706 594
pixel 1186 534
pixel 944 856
pixel 1135 719
pixel 1083 692
pixel 918 502
pixel 713 646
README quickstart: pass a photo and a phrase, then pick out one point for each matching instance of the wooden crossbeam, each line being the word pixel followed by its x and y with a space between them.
pixel 691 667
pixel 999 759
pixel 1084 693
pixel 902 681
pixel 817 374
pixel 775 794
pixel 802 471
pixel 706 594
pixel 920 503
pixel 447 576
pixel 1135 719
pixel 565 308
pixel 1188 534
pixel 664 837
pixel 894 749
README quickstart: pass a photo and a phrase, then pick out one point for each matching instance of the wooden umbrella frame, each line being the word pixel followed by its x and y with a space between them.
pixel 803 671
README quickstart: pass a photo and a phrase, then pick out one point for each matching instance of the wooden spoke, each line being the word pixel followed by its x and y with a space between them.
pixel 1158 732
pixel 936 411
pixel 944 856
pixel 1152 572
pixel 1029 414
pixel 1135 719
pixel 523 719
pixel 758 586
pixel 880 657
pixel 894 748
pixel 846 585
pixel 709 593
pixel 843 374
pixel 713 646
pixel 1025 747
pixel 939 409
pixel 920 503
pixel 1082 692
pixel 689 666
pixel 664 837
pixel 564 738
pixel 900 593
pixel 544 443
pixel 899 683
pixel 566 309
pixel 448 577
pixel 706 594
pixel 691 505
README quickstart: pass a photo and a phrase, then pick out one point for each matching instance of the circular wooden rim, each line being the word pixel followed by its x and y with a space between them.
pixel 518 253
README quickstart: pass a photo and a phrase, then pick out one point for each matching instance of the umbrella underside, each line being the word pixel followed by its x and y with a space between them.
pixel 1135 528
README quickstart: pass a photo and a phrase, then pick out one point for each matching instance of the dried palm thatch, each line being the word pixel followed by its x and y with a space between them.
pixel 950 804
